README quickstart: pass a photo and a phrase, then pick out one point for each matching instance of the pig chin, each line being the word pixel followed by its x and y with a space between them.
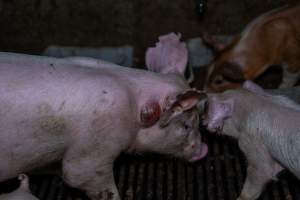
pixel 199 154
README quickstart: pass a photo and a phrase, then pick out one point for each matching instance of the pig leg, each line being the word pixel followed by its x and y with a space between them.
pixel 91 173
pixel 289 79
pixel 254 184
pixel 261 169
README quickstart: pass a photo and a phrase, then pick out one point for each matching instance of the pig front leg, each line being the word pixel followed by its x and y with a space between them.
pixel 261 169
pixel 92 175
pixel 254 184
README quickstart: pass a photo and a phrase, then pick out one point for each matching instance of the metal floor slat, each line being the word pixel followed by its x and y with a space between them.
pixel 217 177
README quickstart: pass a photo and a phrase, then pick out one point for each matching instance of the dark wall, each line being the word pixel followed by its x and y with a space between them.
pixel 31 25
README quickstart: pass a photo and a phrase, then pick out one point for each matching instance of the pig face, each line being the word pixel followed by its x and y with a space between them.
pixel 216 111
pixel 176 132
pixel 222 76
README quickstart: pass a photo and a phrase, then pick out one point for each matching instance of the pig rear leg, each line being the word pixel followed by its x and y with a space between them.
pixel 95 179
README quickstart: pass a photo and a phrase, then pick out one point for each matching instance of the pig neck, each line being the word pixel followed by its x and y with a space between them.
pixel 245 115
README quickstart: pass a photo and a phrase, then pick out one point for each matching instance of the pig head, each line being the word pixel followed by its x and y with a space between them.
pixel 175 119
pixel 219 108
pixel 253 51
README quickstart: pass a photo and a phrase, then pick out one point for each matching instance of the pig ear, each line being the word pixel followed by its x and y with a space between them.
pixel 212 42
pixel 184 102
pixel 169 56
pixel 150 113
pixel 233 72
pixel 251 86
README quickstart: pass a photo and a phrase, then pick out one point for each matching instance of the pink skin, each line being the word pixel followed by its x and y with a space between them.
pixel 169 55
pixel 261 122
pixel 23 192
pixel 200 153
pixel 217 112
pixel 86 115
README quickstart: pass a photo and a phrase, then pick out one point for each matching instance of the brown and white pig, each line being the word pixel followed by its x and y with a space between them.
pixel 22 193
pixel 61 110
pixel 271 39
pixel 267 128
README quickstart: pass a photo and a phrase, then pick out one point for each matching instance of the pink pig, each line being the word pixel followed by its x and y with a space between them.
pixel 85 112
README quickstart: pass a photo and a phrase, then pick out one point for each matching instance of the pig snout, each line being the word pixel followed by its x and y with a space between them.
pixel 198 151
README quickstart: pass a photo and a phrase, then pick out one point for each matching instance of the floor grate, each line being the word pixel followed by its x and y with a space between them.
pixel 217 177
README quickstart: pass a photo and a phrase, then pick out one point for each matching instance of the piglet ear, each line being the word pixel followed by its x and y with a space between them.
pixel 251 86
pixel 184 102
pixel 150 113
pixel 169 56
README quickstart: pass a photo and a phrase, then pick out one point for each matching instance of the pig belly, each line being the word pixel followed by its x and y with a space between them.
pixel 285 148
pixel 291 155
pixel 26 144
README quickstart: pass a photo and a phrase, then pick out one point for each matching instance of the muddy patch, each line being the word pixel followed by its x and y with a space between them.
pixel 52 125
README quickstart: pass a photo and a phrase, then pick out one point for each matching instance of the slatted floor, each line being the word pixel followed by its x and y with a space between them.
pixel 218 177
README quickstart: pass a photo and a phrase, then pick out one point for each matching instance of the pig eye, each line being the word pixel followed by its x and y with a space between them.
pixel 205 107
pixel 187 127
